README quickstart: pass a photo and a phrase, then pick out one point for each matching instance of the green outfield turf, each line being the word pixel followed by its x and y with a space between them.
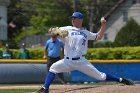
pixel 17 90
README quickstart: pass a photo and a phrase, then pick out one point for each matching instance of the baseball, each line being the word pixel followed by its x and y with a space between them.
pixel 102 19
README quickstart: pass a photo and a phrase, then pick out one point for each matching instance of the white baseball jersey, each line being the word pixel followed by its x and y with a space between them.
pixel 77 41
pixel 76 46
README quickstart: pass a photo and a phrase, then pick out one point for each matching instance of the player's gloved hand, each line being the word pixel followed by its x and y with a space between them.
pixel 53 32
pixel 58 32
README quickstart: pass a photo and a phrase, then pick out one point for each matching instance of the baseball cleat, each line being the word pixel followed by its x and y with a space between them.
pixel 42 90
pixel 127 82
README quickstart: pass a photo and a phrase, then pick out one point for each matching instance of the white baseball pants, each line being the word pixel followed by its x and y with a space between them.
pixel 82 65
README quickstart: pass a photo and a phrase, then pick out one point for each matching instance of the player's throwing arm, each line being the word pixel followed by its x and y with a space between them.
pixel 102 29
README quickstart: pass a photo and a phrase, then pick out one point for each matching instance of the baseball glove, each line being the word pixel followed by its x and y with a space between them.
pixel 58 32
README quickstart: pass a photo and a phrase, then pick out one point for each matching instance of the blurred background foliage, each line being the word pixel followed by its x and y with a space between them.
pixel 33 17
pixel 119 53
pixel 129 35
pixel 36 16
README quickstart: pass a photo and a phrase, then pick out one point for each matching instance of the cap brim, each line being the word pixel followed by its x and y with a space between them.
pixel 72 17
pixel 75 17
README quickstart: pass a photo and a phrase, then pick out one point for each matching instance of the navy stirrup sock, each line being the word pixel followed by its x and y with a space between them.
pixel 49 78
pixel 110 77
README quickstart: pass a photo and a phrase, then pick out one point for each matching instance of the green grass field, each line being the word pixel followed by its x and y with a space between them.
pixel 17 90
pixel 23 88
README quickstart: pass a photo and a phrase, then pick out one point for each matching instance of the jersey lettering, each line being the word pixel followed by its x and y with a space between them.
pixel 84 41
pixel 79 33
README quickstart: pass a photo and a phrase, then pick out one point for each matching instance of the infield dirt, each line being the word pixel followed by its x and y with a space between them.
pixel 95 89
pixel 85 88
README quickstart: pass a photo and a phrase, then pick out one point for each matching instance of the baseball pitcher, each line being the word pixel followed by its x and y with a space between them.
pixel 76 38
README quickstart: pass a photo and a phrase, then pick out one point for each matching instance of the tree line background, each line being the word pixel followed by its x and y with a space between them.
pixel 33 17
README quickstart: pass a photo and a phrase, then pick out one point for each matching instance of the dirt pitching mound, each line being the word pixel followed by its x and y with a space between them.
pixel 95 89
pixel 85 88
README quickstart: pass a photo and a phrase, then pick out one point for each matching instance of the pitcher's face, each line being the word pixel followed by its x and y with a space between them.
pixel 76 22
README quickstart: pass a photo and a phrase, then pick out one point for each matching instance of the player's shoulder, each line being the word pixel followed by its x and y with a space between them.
pixel 85 30
pixel 65 27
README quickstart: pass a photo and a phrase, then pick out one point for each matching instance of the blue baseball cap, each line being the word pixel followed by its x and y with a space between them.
pixel 77 15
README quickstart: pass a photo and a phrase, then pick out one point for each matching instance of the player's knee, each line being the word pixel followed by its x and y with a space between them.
pixel 102 76
pixel 53 68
